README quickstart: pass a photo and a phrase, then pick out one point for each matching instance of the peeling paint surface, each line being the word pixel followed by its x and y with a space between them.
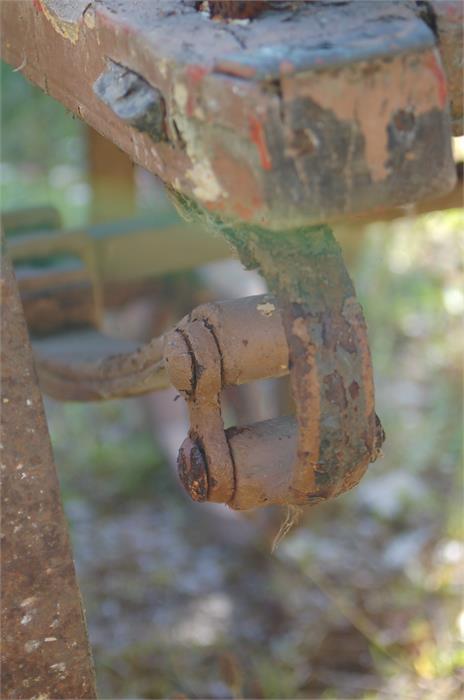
pixel 205 184
pixel 65 17
pixel 266 309
pixel 326 110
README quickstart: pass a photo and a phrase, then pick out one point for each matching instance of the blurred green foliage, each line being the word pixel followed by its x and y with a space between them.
pixel 113 460
pixel 43 155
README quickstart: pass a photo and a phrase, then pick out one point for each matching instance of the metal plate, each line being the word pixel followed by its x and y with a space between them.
pixel 298 116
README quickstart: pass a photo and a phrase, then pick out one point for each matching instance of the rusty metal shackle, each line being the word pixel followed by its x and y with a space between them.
pixel 230 343
pixel 217 345
pixel 322 328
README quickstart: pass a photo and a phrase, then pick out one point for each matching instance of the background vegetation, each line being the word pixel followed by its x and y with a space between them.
pixel 363 597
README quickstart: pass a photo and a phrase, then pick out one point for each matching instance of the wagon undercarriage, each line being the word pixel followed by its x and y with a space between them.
pixel 270 130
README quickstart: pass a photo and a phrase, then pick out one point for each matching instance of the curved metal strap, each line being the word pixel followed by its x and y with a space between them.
pixel 89 366
pixel 330 364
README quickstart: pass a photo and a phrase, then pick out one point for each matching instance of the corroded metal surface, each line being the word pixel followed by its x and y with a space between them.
pixel 218 345
pixel 45 648
pixel 239 9
pixel 310 112
pixel 133 100
pixel 303 114
pixel 331 369
pixel 328 447
pixel 230 343
pixel 89 366
pixel 448 22
pixel 206 424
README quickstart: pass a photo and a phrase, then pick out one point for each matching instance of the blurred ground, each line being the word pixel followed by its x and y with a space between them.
pixel 363 599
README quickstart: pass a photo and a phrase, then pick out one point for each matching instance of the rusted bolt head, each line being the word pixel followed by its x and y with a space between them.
pixel 132 99
pixel 178 360
pixel 192 470
pixel 240 9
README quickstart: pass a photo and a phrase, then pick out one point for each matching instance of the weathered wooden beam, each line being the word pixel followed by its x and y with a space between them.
pixel 306 113
pixel 45 650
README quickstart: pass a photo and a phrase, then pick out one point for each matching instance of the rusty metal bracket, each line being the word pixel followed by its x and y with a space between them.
pixel 330 363
pixel 312 111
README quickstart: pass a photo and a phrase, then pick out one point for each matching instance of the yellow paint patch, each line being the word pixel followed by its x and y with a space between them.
pixel 266 309
pixel 202 176
pixel 68 30
pixel 180 96
pixel 206 185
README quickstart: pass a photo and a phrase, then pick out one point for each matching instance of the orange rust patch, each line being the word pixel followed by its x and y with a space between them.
pixel 238 70
pixel 238 180
pixel 433 63
pixel 259 139
pixel 196 73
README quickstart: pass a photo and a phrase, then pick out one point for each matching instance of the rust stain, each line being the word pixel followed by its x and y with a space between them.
pixel 352 313
pixel 433 63
pixel 243 212
pixel 259 139
pixel 238 70
pixel 309 425
pixel 239 181
pixel 388 87
pixel 196 73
